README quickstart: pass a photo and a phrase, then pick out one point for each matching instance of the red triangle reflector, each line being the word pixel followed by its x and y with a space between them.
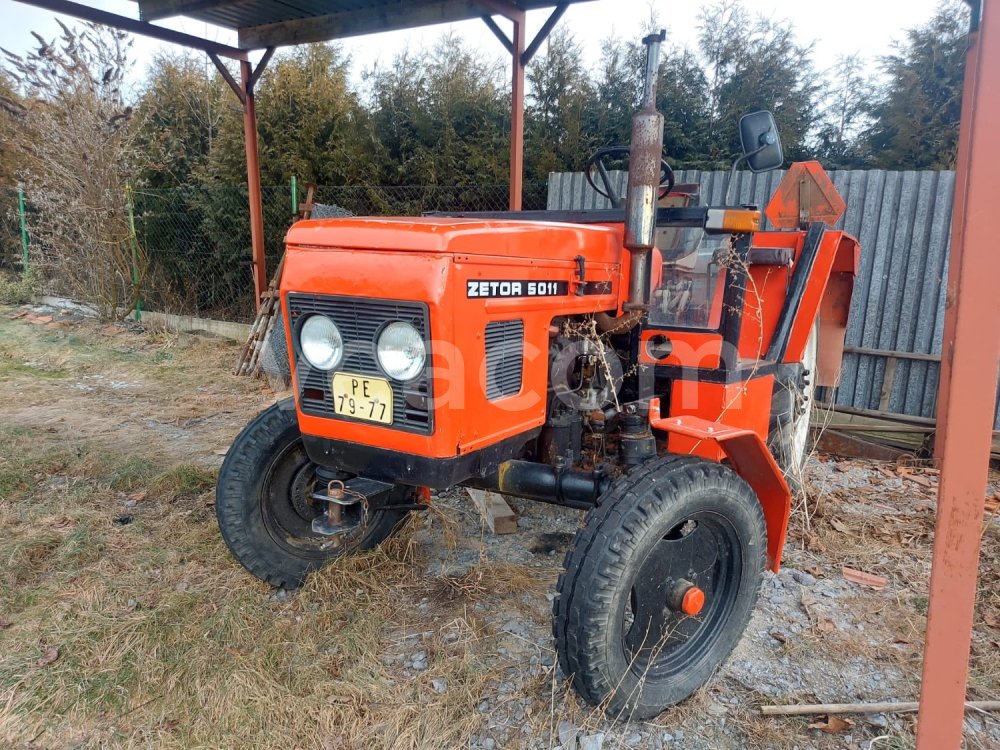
pixel 805 195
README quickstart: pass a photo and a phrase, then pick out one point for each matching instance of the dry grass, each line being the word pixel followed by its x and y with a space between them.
pixel 124 621
pixel 163 641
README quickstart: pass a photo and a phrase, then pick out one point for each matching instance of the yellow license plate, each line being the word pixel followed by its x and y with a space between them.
pixel 362 398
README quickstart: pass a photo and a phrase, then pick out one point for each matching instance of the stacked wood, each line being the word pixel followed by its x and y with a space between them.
pixel 875 434
pixel 270 309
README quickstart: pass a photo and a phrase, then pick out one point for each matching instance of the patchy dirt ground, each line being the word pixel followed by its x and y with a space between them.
pixel 125 623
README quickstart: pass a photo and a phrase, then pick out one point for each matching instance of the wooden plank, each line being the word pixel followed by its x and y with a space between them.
pixel 876 428
pixel 864 708
pixel 851 446
pixel 909 438
pixel 916 356
pixel 857 427
pixel 249 361
pixel 306 208
pixel 865 578
pixel 876 414
pixel 499 518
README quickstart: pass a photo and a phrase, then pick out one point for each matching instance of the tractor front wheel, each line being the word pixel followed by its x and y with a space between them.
pixel 264 504
pixel 659 585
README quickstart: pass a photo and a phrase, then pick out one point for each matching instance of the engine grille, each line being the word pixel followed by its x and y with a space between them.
pixel 359 319
pixel 504 358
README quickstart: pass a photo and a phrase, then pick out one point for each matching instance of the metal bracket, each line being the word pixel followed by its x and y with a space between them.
pixel 499 34
pixel 268 54
pixel 228 78
pixel 241 93
pixel 541 36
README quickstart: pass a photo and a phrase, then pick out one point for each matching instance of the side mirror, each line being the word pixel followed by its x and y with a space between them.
pixel 760 141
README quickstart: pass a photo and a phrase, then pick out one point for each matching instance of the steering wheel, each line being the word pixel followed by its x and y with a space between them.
pixel 618 152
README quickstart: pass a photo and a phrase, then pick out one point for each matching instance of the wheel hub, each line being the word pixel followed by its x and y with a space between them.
pixel 300 493
pixel 687 598
pixel 674 595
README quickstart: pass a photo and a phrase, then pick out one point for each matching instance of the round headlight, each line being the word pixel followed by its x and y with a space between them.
pixel 401 351
pixel 321 342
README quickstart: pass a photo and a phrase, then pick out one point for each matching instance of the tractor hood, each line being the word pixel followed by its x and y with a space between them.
pixel 517 239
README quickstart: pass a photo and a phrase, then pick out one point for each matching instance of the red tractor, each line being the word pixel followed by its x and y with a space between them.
pixel 643 363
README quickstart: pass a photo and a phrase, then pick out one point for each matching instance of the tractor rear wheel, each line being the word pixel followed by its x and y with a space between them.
pixel 659 585
pixel 263 500
pixel 791 411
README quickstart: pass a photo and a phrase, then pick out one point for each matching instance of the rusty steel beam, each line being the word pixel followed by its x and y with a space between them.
pixel 520 53
pixel 958 210
pixel 971 352
pixel 253 182
pixel 259 69
pixel 516 47
pixel 517 114
pixel 133 26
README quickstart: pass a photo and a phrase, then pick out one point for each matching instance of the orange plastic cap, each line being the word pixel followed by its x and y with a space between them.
pixel 693 601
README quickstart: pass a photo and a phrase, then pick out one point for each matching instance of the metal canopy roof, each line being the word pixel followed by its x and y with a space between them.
pixel 261 23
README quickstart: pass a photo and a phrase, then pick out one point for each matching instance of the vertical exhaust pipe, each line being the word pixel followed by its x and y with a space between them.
pixel 645 154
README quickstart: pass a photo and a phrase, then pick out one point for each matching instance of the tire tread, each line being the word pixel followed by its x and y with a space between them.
pixel 595 564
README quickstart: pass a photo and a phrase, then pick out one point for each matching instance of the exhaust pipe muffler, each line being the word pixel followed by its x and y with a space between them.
pixel 645 156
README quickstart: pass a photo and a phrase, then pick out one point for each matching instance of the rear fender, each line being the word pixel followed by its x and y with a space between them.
pixel 834 309
pixel 750 458
pixel 827 294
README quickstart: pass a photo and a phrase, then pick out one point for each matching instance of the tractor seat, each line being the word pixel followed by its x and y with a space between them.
pixel 770 256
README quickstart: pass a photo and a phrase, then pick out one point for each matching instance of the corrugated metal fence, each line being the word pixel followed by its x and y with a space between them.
pixel 903 220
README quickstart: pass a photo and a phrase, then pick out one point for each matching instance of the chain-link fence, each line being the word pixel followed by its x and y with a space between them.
pixel 196 240
pixel 369 200
pixel 198 251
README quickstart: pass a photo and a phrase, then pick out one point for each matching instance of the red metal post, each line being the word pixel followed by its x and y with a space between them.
pixel 517 112
pixel 253 182
pixel 970 355
pixel 958 209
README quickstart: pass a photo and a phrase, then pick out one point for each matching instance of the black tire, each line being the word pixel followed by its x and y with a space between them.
pixel 788 408
pixel 644 525
pixel 791 411
pixel 262 504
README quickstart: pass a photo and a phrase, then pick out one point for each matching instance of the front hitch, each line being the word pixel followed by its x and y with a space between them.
pixel 336 498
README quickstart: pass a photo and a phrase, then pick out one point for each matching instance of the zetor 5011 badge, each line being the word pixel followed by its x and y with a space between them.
pixel 504 288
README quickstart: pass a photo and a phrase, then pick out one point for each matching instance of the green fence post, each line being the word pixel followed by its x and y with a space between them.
pixel 24 229
pixel 134 243
pixel 295 195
